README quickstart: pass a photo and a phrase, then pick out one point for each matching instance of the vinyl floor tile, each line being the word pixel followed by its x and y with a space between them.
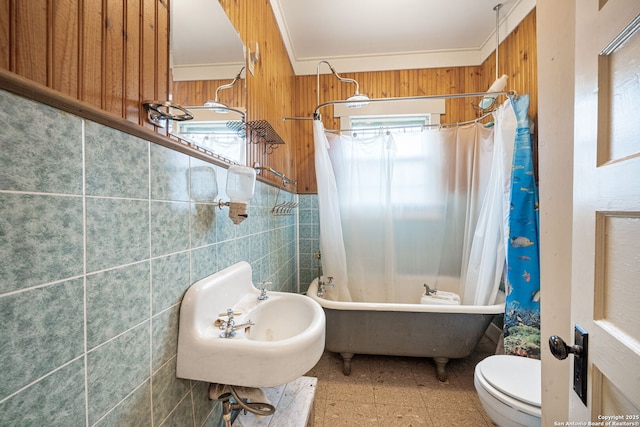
pixel 398 391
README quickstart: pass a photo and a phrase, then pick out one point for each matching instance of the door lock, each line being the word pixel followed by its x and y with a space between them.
pixel 561 351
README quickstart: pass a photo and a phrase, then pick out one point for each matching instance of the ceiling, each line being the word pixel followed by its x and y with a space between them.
pixel 354 35
pixel 376 35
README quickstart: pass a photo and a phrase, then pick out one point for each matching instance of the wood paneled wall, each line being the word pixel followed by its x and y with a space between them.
pixel 270 90
pixel 111 54
pixel 517 58
pixel 197 92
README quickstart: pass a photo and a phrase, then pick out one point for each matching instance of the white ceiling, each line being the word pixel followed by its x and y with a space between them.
pixel 354 35
pixel 376 35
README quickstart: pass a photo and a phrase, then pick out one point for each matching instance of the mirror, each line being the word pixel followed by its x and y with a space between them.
pixel 207 65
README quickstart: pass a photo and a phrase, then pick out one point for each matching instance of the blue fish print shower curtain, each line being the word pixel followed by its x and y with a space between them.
pixel 522 314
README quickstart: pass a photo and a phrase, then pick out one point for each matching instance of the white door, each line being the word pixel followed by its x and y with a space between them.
pixel 606 234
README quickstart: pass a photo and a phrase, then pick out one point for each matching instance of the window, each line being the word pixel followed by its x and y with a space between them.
pixel 389 112
pixel 371 125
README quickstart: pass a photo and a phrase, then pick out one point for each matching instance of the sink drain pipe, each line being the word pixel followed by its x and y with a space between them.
pixel 225 393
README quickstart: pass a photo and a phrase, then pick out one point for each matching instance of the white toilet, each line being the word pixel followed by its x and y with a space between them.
pixel 509 390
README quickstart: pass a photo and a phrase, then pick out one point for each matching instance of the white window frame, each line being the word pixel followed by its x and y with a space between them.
pixel 433 107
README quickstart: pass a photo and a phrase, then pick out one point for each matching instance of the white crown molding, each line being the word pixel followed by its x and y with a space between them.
pixel 398 61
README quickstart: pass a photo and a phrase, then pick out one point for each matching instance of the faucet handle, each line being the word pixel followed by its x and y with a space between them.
pixel 330 282
pixel 230 313
pixel 262 285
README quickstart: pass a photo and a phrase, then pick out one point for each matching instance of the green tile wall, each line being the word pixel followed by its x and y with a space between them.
pixel 309 239
pixel 99 240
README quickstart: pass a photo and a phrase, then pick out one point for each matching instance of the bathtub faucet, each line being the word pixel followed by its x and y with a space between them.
pixel 429 291
pixel 321 286
pixel 318 256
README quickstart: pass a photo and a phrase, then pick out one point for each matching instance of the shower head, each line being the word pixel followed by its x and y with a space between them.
pixel 356 101
pixel 216 105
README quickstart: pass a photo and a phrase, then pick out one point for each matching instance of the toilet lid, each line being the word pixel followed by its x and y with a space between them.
pixel 515 376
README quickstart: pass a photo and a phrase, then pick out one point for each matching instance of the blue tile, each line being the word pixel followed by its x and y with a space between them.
pixel 306 200
pixel 165 336
pixel 135 410
pixel 203 408
pixel 308 261
pixel 260 270
pixel 117 368
pixel 57 400
pixel 244 249
pixel 306 216
pixel 168 391
pixel 228 254
pixel 41 147
pixel 309 231
pixel 117 164
pixel 182 416
pixel 169 227
pixel 310 201
pixel 41 239
pixel 306 246
pixel 169 174
pixel 204 262
pixel 40 330
pixel 204 227
pixel 117 300
pixel 225 228
pixel 117 232
pixel 170 280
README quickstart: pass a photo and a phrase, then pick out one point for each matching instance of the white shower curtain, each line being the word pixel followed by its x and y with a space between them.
pixel 334 261
pixel 399 210
pixel 481 274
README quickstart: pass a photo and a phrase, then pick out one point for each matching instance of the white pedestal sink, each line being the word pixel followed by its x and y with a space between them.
pixel 285 342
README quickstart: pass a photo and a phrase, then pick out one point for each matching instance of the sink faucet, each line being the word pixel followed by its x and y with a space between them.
pixel 230 326
pixel 263 287
pixel 321 286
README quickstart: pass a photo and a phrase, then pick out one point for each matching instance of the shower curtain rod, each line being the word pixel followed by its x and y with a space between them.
pixel 509 93
pixel 422 126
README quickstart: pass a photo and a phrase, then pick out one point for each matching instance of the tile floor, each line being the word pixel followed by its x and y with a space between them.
pixel 398 391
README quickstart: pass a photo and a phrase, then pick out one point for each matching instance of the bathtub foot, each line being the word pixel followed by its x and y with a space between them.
pixel 346 363
pixel 441 363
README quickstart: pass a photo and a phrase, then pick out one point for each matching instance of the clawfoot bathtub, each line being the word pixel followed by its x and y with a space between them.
pixel 441 332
